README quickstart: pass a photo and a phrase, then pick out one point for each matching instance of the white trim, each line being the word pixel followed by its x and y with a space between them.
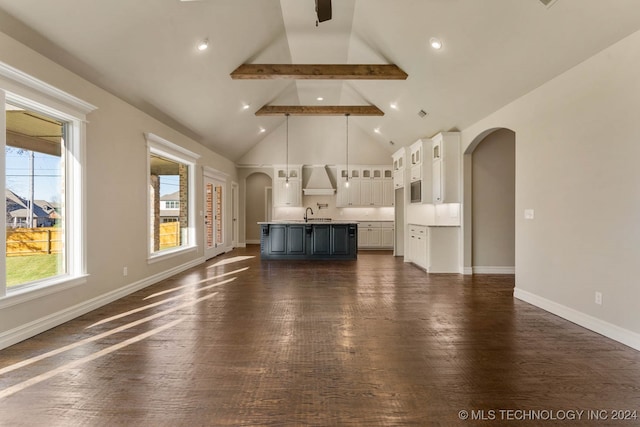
pixel 252 242
pixel 170 253
pixel 467 270
pixel 3 201
pixel 41 289
pixel 210 172
pixel 176 152
pixel 492 270
pixel 16 76
pixel 609 330
pixel 161 147
pixel 73 157
pixel 42 324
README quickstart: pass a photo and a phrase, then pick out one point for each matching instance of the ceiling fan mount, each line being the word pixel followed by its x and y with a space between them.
pixel 323 10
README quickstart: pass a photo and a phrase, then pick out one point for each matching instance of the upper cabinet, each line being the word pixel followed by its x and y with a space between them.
pixel 287 186
pixel 445 167
pixel 420 172
pixel 369 185
pixel 434 169
pixel 399 167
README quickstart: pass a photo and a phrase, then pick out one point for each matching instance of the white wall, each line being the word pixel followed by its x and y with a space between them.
pixel 318 141
pixel 577 151
pixel 116 175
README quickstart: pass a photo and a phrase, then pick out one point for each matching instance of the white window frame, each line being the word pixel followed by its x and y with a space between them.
pixel 19 88
pixel 161 147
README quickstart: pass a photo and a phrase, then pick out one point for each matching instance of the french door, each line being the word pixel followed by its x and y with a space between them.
pixel 214 239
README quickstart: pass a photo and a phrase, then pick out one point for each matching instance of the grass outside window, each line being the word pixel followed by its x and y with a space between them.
pixel 24 269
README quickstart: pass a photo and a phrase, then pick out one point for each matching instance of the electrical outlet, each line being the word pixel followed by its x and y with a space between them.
pixel 125 271
pixel 599 298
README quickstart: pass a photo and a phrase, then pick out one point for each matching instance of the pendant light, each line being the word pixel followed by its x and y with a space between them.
pixel 286 181
pixel 346 182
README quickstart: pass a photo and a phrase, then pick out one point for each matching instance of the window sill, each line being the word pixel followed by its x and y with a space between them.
pixel 28 293
pixel 164 255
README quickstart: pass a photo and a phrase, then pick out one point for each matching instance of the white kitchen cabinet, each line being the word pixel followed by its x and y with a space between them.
pixel 375 235
pixel 416 149
pixel 434 248
pixel 368 186
pixel 388 236
pixel 399 163
pixel 418 248
pixel 445 167
pixel 420 171
pixel 388 195
pixel 287 192
pixel 444 253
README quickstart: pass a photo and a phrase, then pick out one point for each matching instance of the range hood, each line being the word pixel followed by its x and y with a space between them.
pixel 319 183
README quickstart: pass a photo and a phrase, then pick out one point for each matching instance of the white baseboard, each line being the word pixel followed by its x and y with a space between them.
pixel 42 324
pixel 252 242
pixel 493 270
pixel 467 270
pixel 607 329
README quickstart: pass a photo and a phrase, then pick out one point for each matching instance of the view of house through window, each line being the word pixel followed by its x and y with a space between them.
pixel 169 207
pixel 34 196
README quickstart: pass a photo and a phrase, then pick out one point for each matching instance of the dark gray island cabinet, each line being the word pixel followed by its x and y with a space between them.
pixel 308 240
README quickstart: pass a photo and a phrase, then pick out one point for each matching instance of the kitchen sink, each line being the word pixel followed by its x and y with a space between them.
pixel 319 220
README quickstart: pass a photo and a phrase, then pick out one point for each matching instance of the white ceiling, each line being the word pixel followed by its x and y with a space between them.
pixel 144 51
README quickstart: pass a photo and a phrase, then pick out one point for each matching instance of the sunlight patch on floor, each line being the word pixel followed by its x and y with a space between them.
pixel 49 374
pixel 230 261
pixel 195 283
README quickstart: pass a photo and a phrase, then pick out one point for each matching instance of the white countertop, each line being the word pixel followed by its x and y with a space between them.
pixel 302 221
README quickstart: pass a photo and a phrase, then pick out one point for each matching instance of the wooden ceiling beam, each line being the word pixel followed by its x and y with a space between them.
pixel 319 71
pixel 320 110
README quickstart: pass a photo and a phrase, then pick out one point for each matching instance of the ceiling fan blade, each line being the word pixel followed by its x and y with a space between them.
pixel 323 9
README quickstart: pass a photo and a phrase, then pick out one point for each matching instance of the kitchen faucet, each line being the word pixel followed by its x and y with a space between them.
pixel 306 218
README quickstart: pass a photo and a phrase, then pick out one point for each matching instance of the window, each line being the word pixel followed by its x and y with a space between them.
pixel 35 235
pixel 171 203
pixel 42 143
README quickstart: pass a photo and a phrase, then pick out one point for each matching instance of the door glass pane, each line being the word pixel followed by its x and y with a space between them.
pixel 218 215
pixel 34 196
pixel 209 202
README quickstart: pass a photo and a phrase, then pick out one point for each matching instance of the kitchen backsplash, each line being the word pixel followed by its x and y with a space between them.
pixel 325 207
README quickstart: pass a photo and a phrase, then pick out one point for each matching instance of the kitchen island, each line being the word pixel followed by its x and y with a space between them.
pixel 302 240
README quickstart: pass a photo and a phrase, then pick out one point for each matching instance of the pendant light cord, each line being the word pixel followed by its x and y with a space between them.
pixel 287 148
pixel 347 116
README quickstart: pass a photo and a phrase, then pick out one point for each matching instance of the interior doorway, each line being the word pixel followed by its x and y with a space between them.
pixel 493 215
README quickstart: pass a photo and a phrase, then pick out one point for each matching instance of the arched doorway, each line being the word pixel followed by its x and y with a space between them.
pixel 490 227
pixel 257 204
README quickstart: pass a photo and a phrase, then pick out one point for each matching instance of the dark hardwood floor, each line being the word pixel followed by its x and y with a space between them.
pixel 239 341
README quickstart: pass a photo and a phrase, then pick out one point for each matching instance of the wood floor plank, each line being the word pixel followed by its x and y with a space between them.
pixel 369 342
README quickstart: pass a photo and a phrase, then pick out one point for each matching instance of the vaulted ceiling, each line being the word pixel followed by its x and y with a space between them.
pixel 144 51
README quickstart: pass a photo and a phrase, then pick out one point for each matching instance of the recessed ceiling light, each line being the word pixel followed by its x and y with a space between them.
pixel 203 45
pixel 435 43
pixel 394 105
pixel 377 130
pixel 320 98
pixel 246 106
pixel 262 130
